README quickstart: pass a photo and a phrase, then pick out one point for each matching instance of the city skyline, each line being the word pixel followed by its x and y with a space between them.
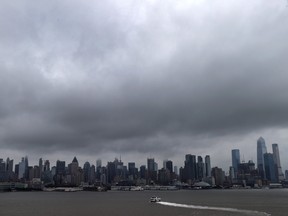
pixel 235 160
pixel 196 170
pixel 138 78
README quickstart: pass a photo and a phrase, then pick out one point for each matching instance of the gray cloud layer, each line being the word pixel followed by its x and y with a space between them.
pixel 140 76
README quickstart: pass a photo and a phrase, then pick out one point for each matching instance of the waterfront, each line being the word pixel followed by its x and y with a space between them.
pixel 137 203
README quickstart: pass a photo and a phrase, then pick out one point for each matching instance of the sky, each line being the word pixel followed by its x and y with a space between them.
pixel 139 79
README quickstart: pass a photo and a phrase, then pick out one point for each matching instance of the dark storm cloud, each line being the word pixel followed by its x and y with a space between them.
pixel 140 76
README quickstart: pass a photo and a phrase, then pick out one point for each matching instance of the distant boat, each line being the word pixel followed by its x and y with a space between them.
pixel 155 199
pixel 138 188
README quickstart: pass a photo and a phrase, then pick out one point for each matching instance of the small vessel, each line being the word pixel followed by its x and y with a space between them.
pixel 155 199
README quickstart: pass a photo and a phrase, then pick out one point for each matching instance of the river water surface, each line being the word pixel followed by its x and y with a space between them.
pixel 136 203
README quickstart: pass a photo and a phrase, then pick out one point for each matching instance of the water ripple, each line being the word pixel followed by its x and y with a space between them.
pixel 249 212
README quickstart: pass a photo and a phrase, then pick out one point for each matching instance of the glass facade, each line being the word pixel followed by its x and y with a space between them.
pixel 261 150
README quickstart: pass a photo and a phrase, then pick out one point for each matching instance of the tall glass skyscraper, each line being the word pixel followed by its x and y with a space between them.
pixel 235 160
pixel 190 167
pixel 270 169
pixel 261 150
pixel 150 164
pixel 208 165
pixel 280 175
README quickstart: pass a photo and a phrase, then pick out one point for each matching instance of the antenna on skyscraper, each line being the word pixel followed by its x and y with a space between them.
pixel 243 161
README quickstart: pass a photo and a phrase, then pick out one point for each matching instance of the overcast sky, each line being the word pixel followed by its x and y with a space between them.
pixel 100 79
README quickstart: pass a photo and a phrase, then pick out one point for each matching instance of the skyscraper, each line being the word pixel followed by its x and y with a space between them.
pixel 235 161
pixel 40 168
pixel 190 168
pixel 261 150
pixel 9 165
pixel 26 168
pixel 169 166
pixel 60 167
pixel 164 164
pixel 152 168
pixel 280 175
pixel 208 165
pixel 270 168
pixel 9 169
pixel 73 167
pixel 46 165
pixel 22 169
pixel 111 172
pixel 176 170
pixel 150 164
pixel 92 175
pixel 200 168
pixel 143 172
pixel 86 171
pixel 98 163
pixel 132 169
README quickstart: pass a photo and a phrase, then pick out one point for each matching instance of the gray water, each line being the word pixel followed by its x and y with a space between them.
pixel 136 203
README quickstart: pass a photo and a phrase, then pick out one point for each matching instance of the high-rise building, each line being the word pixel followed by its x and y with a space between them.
pixel 86 170
pixel 111 172
pixel 22 169
pixel 3 176
pixel 92 175
pixel 231 172
pixel 235 161
pixel 98 163
pixel 164 164
pixel 132 170
pixel 152 168
pixel 74 166
pixel 200 168
pixel 155 166
pixel 143 172
pixel 150 164
pixel 9 169
pixel 9 165
pixel 190 168
pixel 270 169
pixel 176 170
pixel 46 166
pixel 60 167
pixel 53 170
pixel 26 168
pixel 36 172
pixel 169 166
pixel 261 150
pixel 103 175
pixel 121 170
pixel 280 175
pixel 164 176
pixel 16 170
pixel 208 165
pixel 131 167
pixel 46 174
pixel 60 173
pixel 74 173
pixel 40 167
pixel 218 175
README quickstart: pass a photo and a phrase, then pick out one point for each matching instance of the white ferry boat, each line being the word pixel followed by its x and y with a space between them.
pixel 155 199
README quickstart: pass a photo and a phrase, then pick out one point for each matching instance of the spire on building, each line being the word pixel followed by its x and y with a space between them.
pixel 75 160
